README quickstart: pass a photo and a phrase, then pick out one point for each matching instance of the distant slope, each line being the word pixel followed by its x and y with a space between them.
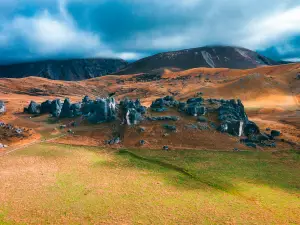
pixel 70 70
pixel 210 56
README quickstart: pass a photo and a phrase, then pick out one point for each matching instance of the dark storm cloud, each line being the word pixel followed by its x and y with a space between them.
pixel 130 29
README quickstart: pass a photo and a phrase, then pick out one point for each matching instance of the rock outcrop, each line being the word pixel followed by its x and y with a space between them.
pixel 227 116
pixel 33 108
pixel 2 107
pixel 102 110
pixel 132 111
pixel 56 107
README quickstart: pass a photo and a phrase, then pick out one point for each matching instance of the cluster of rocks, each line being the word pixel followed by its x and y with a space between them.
pixel 193 106
pixel 10 131
pixel 231 115
pixel 96 111
pixel 132 111
pixel 56 108
pixel 163 118
pixel 232 118
pixel 161 104
pixel 11 128
pixel 298 76
pixel 2 107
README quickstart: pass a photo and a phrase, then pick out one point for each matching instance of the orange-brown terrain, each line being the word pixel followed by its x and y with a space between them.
pixel 271 96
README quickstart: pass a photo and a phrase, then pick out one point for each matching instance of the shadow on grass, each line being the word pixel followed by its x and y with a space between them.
pixel 194 169
pixel 223 171
pixel 187 179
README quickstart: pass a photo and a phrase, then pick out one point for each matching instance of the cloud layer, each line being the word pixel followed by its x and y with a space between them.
pixel 131 29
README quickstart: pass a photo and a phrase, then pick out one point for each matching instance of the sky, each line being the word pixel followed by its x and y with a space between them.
pixel 132 29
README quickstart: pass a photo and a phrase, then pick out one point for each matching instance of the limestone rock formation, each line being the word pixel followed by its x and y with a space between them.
pixel 102 110
pixel 2 107
pixel 56 107
pixel 66 109
pixel 46 107
pixel 33 108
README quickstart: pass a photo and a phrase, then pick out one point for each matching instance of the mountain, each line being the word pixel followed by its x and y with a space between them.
pixel 210 56
pixel 70 70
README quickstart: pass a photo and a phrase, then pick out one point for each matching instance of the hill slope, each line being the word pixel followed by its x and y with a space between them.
pixel 70 70
pixel 211 57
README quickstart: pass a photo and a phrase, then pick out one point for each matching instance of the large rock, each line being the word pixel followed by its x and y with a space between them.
pixel 33 108
pixel 76 109
pixel 129 104
pixel 132 111
pixel 161 104
pixel 233 127
pixel 132 116
pixel 46 107
pixel 2 107
pixel 56 107
pixel 86 99
pixel 66 109
pixel 232 110
pixel 234 120
pixel 170 127
pixel 103 110
pixel 251 128
pixel 275 133
pixel 195 100
pixel 195 110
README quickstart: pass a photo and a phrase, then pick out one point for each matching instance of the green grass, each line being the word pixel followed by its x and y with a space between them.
pixel 62 184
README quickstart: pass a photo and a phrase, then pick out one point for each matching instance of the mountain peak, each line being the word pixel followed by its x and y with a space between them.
pixel 216 56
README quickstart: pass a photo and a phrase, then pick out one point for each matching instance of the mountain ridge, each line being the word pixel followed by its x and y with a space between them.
pixel 63 69
pixel 213 56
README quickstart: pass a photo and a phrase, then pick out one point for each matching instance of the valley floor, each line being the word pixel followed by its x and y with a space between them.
pixel 62 184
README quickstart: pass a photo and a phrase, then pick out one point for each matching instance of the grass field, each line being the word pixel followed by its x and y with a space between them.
pixel 61 184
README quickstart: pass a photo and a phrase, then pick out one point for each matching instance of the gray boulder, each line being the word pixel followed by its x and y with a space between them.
pixel 103 110
pixel 165 147
pixel 195 100
pixel 161 104
pixel 132 116
pixel 33 108
pixel 202 119
pixel 66 109
pixel 195 110
pixel 170 127
pixel 2 107
pixel 234 119
pixel 251 128
pixel 86 99
pixel 76 109
pixel 127 104
pixel 46 107
pixel 56 107
pixel 182 106
pixel 275 133
pixel 232 110
pixel 233 127
pixel 113 141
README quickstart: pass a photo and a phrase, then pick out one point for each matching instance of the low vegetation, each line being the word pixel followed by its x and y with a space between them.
pixel 62 184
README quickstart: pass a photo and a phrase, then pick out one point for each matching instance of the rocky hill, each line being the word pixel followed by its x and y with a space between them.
pixel 210 56
pixel 69 70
